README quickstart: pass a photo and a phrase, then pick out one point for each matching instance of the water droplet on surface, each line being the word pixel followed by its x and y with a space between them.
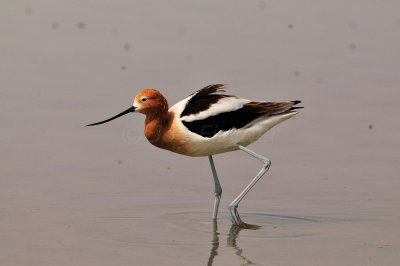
pixel 127 46
pixel 261 4
pixel 55 25
pixel 81 25
pixel 28 11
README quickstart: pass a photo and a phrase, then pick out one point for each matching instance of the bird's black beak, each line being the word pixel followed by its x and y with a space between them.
pixel 127 111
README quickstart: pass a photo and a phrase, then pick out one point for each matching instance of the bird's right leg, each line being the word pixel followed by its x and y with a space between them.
pixel 234 215
pixel 217 189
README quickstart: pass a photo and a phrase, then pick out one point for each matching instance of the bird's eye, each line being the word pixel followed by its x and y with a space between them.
pixel 143 99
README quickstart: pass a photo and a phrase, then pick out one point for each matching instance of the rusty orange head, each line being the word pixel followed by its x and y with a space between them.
pixel 148 102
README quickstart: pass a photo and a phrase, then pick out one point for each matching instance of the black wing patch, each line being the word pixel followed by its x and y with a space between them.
pixel 239 118
pixel 203 99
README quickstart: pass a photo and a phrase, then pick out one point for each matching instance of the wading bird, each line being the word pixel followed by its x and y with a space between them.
pixel 209 122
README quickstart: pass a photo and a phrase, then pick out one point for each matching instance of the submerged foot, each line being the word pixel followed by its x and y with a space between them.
pixel 234 216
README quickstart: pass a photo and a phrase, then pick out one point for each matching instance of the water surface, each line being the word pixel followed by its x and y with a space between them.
pixel 71 195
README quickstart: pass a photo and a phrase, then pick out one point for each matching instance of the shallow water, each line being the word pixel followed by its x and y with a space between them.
pixel 71 195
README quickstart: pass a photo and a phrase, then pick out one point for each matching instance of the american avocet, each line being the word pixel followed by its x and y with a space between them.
pixel 209 122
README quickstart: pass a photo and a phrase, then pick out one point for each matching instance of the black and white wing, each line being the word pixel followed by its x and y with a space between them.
pixel 208 111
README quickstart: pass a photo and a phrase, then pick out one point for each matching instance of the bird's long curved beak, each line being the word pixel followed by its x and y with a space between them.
pixel 127 111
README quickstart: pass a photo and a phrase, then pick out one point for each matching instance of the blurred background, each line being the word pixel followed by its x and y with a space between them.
pixel 71 195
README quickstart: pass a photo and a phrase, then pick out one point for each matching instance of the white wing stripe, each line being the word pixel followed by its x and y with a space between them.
pixel 224 105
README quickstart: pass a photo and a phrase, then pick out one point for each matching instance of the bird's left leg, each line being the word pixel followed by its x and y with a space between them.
pixel 217 189
pixel 234 215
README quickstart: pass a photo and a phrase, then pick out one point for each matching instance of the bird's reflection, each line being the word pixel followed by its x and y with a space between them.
pixel 231 242
pixel 214 243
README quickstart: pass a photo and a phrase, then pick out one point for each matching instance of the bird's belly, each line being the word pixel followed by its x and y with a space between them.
pixel 220 143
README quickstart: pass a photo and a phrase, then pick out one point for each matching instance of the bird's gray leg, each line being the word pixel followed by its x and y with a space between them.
pixel 217 189
pixel 234 215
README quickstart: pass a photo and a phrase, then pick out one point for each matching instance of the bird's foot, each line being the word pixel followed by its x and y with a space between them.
pixel 234 216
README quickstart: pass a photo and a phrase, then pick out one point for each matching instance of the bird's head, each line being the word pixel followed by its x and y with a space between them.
pixel 149 102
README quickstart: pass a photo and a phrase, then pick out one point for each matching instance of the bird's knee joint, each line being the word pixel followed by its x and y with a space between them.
pixel 266 162
pixel 232 206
